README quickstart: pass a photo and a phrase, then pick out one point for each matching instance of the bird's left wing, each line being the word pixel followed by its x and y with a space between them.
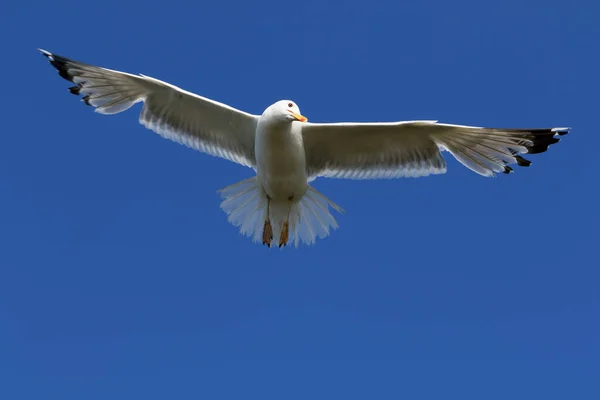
pixel 413 148
pixel 184 117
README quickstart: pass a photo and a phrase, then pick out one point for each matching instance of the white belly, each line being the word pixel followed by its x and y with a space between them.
pixel 281 161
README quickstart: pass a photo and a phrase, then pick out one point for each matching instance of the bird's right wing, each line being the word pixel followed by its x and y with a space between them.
pixel 197 122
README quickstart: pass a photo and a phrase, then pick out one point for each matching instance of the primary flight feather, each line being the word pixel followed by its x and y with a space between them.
pixel 278 205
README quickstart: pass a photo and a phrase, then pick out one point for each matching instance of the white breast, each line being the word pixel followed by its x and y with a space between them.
pixel 281 161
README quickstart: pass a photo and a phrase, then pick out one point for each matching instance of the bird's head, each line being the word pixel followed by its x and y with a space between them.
pixel 285 110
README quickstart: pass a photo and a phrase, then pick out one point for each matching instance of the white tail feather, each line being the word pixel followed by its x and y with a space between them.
pixel 245 203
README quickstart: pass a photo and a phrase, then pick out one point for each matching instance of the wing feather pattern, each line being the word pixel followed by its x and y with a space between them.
pixel 184 117
pixel 413 148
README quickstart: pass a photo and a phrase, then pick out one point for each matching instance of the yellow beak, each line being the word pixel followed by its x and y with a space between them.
pixel 299 117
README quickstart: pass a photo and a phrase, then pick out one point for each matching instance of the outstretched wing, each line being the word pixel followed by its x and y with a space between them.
pixel 413 148
pixel 178 115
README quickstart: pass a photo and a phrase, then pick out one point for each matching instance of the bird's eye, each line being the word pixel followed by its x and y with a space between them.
pixel 290 105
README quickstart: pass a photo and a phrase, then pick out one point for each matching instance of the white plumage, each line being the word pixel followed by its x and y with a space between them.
pixel 287 152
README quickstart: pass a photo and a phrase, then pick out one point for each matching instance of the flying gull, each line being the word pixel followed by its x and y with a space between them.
pixel 278 205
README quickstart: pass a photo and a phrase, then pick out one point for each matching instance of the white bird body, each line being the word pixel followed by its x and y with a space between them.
pixel 280 158
pixel 287 152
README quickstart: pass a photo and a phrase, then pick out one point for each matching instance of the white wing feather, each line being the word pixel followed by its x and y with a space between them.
pixel 413 148
pixel 184 117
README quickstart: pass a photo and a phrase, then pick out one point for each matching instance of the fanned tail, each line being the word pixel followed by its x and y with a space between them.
pixel 245 204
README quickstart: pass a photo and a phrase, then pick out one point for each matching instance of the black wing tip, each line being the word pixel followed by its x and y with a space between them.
pixel 52 56
pixel 64 74
pixel 539 141
pixel 561 131
pixel 542 139
pixel 522 162
pixel 541 144
pixel 63 66
pixel 45 53
pixel 58 62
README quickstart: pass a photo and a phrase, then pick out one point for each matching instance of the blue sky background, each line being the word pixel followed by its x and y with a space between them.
pixel 120 277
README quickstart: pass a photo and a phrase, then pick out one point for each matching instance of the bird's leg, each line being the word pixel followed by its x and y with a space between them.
pixel 285 229
pixel 267 228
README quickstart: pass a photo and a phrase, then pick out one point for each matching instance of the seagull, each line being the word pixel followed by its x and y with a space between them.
pixel 278 205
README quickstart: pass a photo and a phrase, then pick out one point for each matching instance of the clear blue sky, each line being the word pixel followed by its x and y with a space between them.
pixel 120 277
